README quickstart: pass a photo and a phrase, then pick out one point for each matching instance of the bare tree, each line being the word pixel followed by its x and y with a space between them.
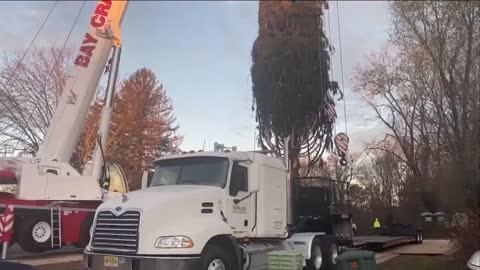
pixel 446 33
pixel 424 87
pixel 386 88
pixel 29 91
pixel 383 177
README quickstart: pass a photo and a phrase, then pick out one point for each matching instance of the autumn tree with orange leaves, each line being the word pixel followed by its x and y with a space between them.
pixel 142 128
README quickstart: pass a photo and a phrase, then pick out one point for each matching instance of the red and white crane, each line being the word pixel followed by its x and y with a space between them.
pixel 53 200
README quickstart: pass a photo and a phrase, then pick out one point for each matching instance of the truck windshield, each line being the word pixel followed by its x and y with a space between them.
pixel 208 171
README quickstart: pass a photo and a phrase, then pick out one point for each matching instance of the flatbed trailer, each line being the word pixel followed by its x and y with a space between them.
pixel 379 242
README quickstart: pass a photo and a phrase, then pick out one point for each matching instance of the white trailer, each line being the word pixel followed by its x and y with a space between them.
pixel 217 210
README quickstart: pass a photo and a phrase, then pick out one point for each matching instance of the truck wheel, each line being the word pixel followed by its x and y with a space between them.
pixel 317 260
pixel 332 254
pixel 217 258
pixel 34 234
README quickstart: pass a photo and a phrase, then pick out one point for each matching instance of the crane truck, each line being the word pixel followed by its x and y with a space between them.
pixel 219 210
pixel 54 203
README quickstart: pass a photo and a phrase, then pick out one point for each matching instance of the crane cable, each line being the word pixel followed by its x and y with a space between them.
pixel 331 55
pixel 57 59
pixel 343 159
pixel 341 67
pixel 31 43
pixel 332 51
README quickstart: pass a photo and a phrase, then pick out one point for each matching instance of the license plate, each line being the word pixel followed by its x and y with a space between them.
pixel 110 261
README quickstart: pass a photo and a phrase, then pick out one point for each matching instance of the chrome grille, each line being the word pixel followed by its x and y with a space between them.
pixel 116 233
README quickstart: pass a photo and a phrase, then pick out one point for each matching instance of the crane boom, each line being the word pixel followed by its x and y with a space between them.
pixel 49 176
pixel 67 122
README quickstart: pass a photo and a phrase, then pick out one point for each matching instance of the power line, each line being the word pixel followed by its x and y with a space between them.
pixel 32 42
pixel 64 44
pixel 73 26
pixel 341 67
pixel 57 59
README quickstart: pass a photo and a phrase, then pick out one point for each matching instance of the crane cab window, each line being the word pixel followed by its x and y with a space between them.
pixel 239 179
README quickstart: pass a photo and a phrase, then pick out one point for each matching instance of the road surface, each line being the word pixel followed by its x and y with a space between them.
pixel 428 247
pixel 63 255
pixel 70 259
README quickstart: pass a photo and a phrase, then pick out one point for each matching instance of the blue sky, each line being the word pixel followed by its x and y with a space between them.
pixel 200 51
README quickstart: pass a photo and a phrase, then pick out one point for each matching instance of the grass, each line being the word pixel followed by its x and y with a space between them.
pixel 417 262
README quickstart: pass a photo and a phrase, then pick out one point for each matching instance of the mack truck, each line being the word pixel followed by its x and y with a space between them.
pixel 220 210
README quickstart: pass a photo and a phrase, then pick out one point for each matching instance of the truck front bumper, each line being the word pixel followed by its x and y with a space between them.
pixel 95 261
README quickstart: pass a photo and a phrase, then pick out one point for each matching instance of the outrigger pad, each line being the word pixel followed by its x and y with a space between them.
pixel 15 266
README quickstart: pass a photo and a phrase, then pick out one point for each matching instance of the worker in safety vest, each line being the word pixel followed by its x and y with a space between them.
pixel 376 226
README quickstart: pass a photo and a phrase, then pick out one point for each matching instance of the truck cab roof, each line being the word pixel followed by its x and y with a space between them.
pixel 255 157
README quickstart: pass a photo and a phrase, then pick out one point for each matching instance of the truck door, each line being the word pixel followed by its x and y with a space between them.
pixel 239 200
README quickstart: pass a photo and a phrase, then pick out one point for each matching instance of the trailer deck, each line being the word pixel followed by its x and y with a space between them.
pixel 378 242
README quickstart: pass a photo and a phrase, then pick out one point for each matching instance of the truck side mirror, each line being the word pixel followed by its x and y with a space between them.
pixel 146 177
pixel 105 180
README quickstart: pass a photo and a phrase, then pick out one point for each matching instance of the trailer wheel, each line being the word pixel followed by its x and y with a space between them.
pixel 34 234
pixel 317 260
pixel 419 237
pixel 217 258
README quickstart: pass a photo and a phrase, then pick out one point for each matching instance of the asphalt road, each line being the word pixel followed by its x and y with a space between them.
pixel 428 247
pixel 63 266
pixel 70 259
pixel 65 255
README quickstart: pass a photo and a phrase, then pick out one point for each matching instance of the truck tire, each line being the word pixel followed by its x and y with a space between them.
pixel 84 232
pixel 34 234
pixel 217 258
pixel 332 254
pixel 419 237
pixel 317 260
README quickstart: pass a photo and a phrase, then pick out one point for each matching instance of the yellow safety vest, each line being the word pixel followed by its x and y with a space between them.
pixel 376 224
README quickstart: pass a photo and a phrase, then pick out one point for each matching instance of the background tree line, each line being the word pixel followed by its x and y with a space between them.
pixel 142 127
pixel 424 87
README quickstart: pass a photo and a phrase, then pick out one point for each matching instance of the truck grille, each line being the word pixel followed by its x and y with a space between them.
pixel 116 233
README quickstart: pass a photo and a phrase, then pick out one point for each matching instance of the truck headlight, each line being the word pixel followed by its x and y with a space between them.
pixel 174 242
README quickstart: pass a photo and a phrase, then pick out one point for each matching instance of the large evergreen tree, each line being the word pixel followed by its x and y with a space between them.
pixel 142 126
pixel 291 86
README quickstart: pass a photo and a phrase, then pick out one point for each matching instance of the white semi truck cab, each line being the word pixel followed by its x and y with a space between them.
pixel 212 210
